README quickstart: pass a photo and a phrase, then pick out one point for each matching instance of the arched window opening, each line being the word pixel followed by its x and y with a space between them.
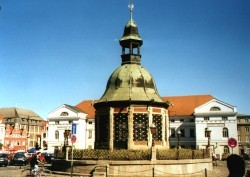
pixel 56 134
pixel 225 132
pixel 226 149
pixel 215 109
pixel 64 114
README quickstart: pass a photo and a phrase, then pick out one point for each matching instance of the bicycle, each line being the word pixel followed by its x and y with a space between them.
pixel 41 172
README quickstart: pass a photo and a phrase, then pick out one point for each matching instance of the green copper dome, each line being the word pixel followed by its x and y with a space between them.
pixel 131 83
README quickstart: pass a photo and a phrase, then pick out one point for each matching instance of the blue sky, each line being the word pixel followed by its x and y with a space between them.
pixel 55 52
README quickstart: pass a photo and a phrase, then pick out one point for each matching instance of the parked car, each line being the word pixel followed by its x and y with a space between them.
pixel 48 156
pixel 19 159
pixel 4 159
pixel 29 156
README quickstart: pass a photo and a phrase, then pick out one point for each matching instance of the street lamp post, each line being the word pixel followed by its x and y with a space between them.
pixel 208 133
pixel 153 150
pixel 66 135
pixel 153 132
pixel 178 136
pixel 66 143
pixel 178 145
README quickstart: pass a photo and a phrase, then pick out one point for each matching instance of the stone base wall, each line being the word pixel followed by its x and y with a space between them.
pixel 190 167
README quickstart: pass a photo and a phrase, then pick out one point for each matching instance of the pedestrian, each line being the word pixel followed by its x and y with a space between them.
pixel 236 166
pixel 35 161
pixel 214 159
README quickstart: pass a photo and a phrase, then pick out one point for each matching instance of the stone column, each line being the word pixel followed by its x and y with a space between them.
pixel 111 129
pixel 67 153
pixel 150 121
pixel 163 127
pixel 130 128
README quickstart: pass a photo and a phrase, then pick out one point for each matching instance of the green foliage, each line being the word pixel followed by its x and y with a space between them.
pixel 168 154
pixel 1 145
pixel 172 154
pixel 103 154
pixel 130 155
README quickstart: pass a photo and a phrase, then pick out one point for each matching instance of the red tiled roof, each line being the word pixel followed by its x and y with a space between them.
pixel 87 107
pixel 185 105
pixel 182 105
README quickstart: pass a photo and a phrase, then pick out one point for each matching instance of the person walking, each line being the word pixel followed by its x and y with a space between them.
pixel 214 159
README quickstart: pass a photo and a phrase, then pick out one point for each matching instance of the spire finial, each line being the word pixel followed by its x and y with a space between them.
pixel 131 7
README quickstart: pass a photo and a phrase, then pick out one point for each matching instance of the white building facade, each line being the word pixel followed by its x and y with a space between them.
pixel 186 126
pixel 220 118
pixel 60 121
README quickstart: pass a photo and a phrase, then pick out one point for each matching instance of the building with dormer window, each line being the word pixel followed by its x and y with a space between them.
pixel 23 129
pixel 59 128
pixel 221 119
pixel 193 115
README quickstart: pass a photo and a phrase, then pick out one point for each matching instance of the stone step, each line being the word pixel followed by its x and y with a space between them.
pixel 100 169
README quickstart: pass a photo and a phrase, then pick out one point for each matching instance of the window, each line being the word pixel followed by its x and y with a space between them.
pixel 90 122
pixel 44 135
pixel 181 120
pixel 90 134
pixel 247 129
pixel 226 149
pixel 239 139
pixel 206 118
pixel 56 134
pixel 182 132
pixel 191 120
pixel 215 109
pixel 172 132
pixel 225 132
pixel 56 122
pixel 224 118
pixel 247 138
pixel 192 134
pixel 64 114
pixel 246 119
pixel 238 128
pixel 171 120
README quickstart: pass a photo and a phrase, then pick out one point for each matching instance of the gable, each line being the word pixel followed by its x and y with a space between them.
pixel 215 107
pixel 65 111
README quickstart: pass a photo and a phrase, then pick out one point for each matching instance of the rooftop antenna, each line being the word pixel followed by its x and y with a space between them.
pixel 131 7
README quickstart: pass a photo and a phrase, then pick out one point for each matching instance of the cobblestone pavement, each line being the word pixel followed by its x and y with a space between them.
pixel 218 171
